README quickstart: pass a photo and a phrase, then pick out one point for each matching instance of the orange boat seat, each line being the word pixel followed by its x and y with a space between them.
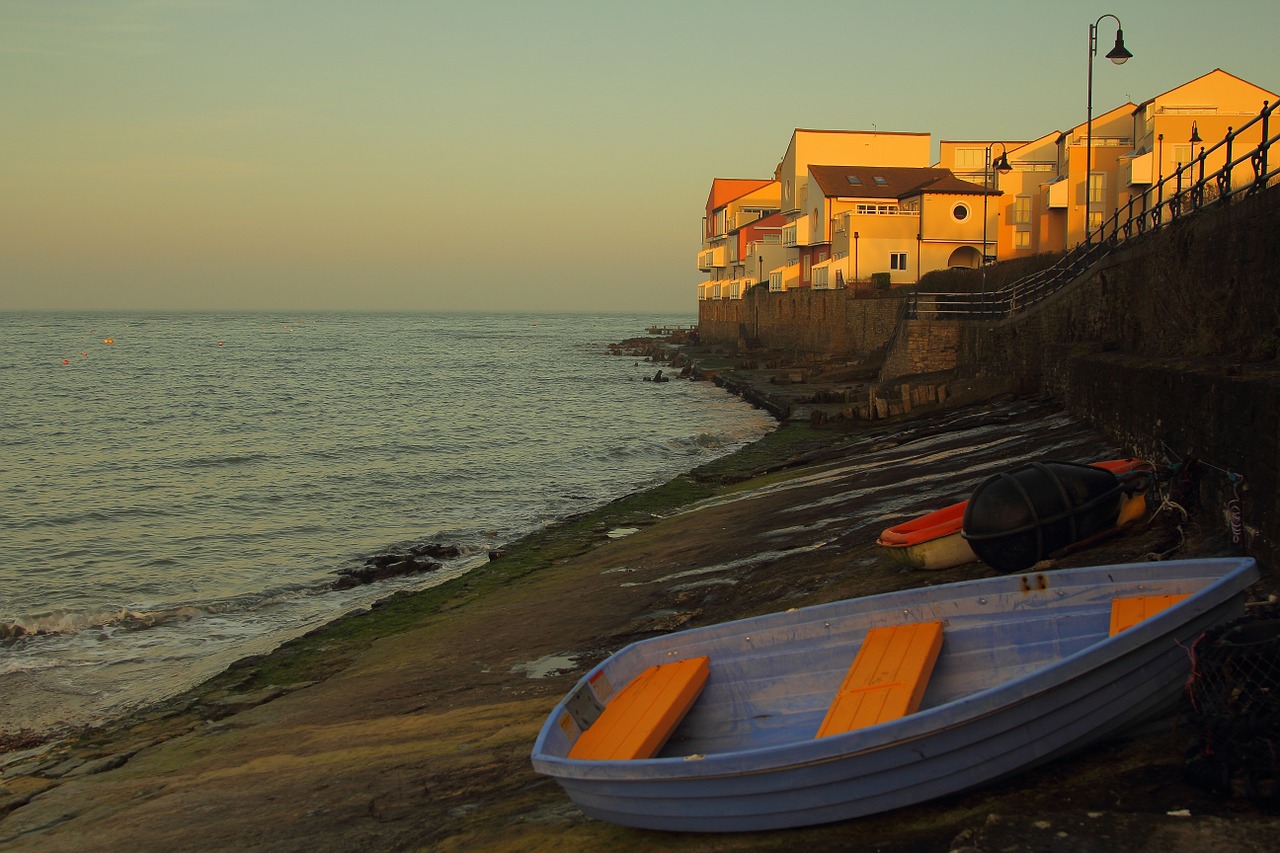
pixel 887 679
pixel 637 722
pixel 1127 612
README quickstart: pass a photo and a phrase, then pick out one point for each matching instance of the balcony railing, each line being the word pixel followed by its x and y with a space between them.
pixel 1181 194
pixel 709 259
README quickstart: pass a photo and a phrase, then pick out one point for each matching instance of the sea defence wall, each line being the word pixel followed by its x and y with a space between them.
pixel 1170 348
pixel 801 321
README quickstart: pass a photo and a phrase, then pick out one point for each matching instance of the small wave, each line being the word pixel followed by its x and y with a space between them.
pixel 226 460
pixel 705 441
pixel 13 665
pixel 112 514
pixel 69 622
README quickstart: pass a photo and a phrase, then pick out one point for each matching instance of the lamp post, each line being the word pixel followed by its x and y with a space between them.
pixel 1191 169
pixel 1119 55
pixel 760 258
pixel 855 256
pixel 1002 166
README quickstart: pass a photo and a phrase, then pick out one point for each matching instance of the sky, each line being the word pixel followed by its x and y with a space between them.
pixel 317 155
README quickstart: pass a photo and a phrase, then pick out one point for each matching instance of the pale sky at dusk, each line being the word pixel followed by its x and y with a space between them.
pixel 316 155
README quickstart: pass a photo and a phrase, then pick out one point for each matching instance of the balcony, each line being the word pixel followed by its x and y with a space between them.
pixel 1058 193
pixel 790 276
pixel 713 258
pixel 1140 169
pixel 741 218
pixel 820 276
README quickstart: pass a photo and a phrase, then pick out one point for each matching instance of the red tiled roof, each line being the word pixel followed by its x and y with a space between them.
pixel 895 182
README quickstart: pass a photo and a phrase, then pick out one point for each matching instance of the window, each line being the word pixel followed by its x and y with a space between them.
pixel 881 182
pixel 1182 154
pixel 854 179
pixel 897 260
pixel 1022 211
pixel 971 158
pixel 1095 220
pixel 960 212
pixel 1022 239
pixel 1097 189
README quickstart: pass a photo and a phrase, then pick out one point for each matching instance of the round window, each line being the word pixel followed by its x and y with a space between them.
pixel 960 212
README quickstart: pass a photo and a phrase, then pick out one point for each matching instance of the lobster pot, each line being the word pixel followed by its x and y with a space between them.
pixel 1235 701
pixel 1017 518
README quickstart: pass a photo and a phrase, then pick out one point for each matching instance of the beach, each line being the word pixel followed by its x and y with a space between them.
pixel 409 726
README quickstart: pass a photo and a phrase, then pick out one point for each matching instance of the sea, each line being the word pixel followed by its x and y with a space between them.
pixel 181 490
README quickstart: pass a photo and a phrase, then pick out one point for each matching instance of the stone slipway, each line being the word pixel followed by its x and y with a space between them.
pixel 410 728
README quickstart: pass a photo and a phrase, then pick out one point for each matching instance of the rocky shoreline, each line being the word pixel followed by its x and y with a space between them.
pixel 409 727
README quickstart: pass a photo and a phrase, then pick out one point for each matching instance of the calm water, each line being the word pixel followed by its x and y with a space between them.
pixel 183 496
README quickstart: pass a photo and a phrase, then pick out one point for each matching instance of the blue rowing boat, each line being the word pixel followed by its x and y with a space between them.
pixel 1030 667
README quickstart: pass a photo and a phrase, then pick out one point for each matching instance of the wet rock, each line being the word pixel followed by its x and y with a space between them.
pixel 437 551
pixel 379 568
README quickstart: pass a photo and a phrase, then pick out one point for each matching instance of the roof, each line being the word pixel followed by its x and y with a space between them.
pixel 725 190
pixel 1217 72
pixel 887 182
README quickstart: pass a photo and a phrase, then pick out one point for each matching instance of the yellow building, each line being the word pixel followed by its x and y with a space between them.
pixel 854 203
pixel 900 221
pixel 805 232
pixel 1206 109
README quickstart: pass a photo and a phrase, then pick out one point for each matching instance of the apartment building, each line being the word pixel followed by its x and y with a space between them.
pixel 1172 129
pixel 847 204
pixel 741 233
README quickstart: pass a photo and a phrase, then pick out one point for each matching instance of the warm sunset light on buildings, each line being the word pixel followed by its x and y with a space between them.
pixel 849 207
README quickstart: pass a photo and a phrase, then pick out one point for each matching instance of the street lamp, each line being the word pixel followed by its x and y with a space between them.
pixel 1119 55
pixel 1191 169
pixel 1002 166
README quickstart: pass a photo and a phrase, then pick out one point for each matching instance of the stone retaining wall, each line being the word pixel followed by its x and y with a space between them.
pixel 801 321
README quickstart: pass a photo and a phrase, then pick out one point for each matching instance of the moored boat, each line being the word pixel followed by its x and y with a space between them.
pixel 999 675
pixel 934 540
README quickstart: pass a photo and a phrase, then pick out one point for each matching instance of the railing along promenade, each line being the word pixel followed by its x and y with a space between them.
pixel 1181 194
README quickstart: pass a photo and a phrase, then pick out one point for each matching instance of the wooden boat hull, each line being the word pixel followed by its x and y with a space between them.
pixel 1027 673
pixel 934 540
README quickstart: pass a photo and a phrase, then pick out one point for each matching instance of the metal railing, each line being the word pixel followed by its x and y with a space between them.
pixel 1181 194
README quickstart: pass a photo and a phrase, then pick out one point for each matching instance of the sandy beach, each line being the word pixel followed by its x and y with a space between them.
pixel 409 727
